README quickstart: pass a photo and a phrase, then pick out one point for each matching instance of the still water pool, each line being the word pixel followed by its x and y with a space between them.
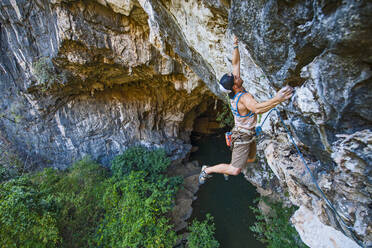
pixel 227 201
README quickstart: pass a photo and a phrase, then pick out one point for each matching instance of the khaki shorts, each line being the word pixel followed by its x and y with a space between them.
pixel 243 148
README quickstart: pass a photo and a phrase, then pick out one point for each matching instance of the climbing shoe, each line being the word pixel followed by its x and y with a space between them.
pixel 203 175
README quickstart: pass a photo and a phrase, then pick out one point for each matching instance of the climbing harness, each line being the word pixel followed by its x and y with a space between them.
pixel 236 111
pixel 240 136
pixel 330 205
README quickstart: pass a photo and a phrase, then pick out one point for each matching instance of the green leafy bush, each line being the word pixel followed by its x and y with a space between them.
pixel 275 229
pixel 85 207
pixel 135 213
pixel 27 217
pixel 53 208
pixel 201 234
pixel 151 162
pixel 137 200
pixel 77 194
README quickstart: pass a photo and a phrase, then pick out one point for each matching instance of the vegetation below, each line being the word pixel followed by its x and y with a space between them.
pixel 91 206
pixel 225 116
pixel 274 228
pixel 201 234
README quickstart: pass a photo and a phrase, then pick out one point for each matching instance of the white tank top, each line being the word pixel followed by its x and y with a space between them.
pixel 248 121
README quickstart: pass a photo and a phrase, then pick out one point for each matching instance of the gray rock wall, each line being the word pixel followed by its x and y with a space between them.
pixel 324 49
pixel 79 79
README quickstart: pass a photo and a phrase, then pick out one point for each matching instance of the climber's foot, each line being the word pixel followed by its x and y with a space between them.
pixel 203 175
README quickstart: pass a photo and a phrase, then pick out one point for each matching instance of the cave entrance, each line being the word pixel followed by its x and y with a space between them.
pixel 227 201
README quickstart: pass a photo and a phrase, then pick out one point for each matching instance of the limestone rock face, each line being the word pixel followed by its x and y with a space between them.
pixel 323 48
pixel 80 78
pixel 351 179
pixel 94 77
pixel 307 224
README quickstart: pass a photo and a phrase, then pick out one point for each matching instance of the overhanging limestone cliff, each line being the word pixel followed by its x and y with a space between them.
pixel 80 79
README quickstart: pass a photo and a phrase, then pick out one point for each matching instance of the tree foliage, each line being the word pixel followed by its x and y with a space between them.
pixel 135 213
pixel 225 116
pixel 201 234
pixel 77 194
pixel 53 208
pixel 87 206
pixel 137 201
pixel 151 162
pixel 27 216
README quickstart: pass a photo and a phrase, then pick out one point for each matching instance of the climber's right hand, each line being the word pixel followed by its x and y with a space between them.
pixel 284 93
pixel 236 40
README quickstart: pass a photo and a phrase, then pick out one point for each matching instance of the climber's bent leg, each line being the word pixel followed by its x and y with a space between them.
pixel 223 169
pixel 240 157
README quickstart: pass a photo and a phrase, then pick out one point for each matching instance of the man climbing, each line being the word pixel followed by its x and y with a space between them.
pixel 245 109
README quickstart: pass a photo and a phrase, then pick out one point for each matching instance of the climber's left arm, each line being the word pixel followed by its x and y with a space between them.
pixel 261 107
pixel 236 58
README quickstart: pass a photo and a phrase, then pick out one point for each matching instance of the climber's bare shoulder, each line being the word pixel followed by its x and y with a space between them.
pixel 248 103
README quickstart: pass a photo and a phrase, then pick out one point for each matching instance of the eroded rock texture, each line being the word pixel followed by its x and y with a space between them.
pixel 323 48
pixel 80 79
pixel 93 77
